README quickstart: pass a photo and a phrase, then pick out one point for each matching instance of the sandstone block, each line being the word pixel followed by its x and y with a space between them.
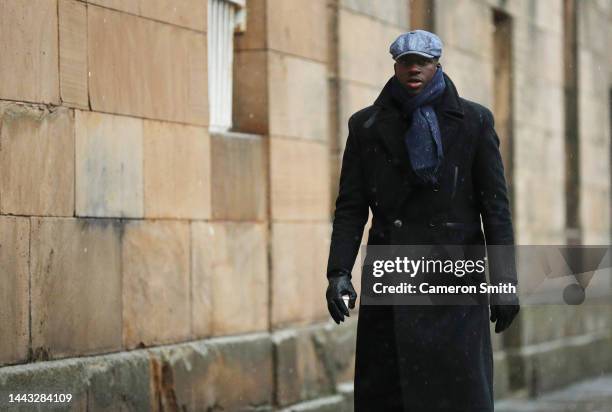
pixel 155 266
pixel 298 28
pixel 298 100
pixel 299 175
pixel 254 38
pixel 73 53
pixel 233 373
pixel 176 171
pixel 238 176
pixel 299 259
pixel 190 13
pixel 230 281
pixel 250 88
pixel 128 77
pixel 44 141
pixel 393 12
pixel 15 292
pixel 76 286
pixel 109 165
pixel 363 46
pixel 28 40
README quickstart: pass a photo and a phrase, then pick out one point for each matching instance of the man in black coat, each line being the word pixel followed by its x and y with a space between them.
pixel 427 163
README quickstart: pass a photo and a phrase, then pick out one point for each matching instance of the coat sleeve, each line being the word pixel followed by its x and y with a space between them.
pixel 351 212
pixel 492 197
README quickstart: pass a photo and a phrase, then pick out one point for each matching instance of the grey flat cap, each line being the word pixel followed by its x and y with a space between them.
pixel 419 42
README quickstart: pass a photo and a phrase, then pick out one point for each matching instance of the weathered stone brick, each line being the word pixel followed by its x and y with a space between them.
pixel 254 38
pixel 15 290
pixel 76 286
pixel 299 258
pixel 333 403
pixel 190 13
pixel 300 34
pixel 176 171
pixel 28 40
pixel 363 46
pixel 353 97
pixel 231 373
pixel 109 165
pixel 44 141
pixel 303 370
pixel 130 6
pixel 238 177
pixel 119 382
pixel 298 101
pixel 156 288
pixel 299 173
pixel 73 53
pixel 393 12
pixel 230 281
pixel 57 377
pixel 250 86
pixel 128 77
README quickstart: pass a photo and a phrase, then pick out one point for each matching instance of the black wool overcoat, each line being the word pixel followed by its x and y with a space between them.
pixel 422 358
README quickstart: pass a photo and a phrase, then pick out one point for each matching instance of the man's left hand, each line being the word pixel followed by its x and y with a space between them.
pixel 503 312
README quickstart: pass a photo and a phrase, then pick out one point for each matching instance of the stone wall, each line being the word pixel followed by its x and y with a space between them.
pixel 149 264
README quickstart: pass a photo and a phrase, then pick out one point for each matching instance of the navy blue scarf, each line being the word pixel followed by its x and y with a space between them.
pixel 422 140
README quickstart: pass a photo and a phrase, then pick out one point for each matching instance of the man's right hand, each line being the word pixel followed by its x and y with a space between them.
pixel 338 286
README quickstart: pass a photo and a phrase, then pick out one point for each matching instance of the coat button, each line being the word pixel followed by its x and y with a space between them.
pixel 436 187
pixel 432 223
pixel 397 223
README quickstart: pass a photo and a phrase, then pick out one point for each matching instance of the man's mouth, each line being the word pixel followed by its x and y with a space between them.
pixel 414 83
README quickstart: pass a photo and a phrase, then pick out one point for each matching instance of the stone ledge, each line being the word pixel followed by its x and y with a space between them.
pixel 229 372
pixel 550 365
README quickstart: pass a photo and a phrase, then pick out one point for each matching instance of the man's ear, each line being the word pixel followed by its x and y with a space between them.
pixel 395 67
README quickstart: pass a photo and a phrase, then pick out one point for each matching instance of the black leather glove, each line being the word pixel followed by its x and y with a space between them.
pixel 504 309
pixel 338 286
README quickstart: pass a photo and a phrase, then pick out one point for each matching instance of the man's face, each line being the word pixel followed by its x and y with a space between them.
pixel 414 72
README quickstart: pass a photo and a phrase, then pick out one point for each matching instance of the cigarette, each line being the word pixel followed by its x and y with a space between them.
pixel 345 298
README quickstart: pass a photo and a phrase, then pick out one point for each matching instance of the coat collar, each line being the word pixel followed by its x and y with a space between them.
pixel 449 103
pixel 391 123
